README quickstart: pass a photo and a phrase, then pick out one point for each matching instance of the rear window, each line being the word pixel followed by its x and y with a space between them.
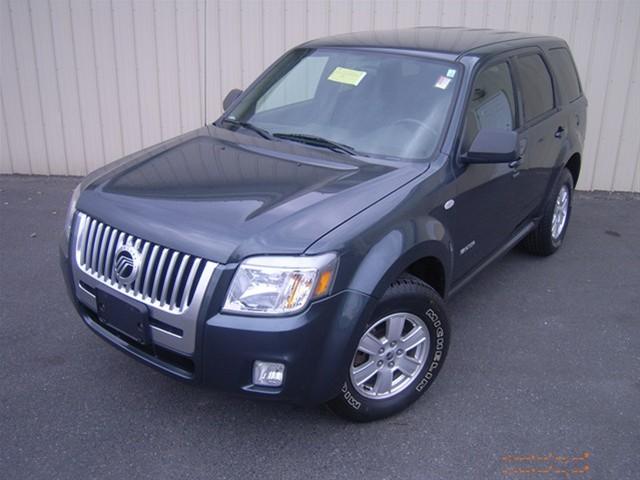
pixel 537 87
pixel 563 65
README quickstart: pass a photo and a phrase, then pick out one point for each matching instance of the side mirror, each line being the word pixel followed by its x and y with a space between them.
pixel 493 146
pixel 230 98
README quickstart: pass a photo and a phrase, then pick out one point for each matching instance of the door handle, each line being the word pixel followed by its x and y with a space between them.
pixel 515 163
pixel 559 132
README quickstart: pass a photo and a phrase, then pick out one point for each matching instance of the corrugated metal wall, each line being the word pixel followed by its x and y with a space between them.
pixel 85 82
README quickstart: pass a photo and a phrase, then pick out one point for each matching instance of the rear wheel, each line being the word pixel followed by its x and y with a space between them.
pixel 550 232
pixel 398 355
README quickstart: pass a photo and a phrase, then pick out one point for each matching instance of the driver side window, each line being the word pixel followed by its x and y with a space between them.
pixel 491 105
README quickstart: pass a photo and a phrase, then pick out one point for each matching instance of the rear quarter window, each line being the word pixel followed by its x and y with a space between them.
pixel 565 71
pixel 536 85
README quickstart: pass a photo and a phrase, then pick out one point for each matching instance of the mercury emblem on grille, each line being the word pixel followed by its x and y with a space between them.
pixel 127 264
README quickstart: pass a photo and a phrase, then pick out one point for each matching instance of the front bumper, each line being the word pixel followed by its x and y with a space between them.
pixel 315 346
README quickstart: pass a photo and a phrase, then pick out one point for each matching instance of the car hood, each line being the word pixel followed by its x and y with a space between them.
pixel 225 195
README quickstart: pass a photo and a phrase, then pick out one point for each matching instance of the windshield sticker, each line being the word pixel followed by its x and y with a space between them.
pixel 443 82
pixel 347 76
pixel 451 73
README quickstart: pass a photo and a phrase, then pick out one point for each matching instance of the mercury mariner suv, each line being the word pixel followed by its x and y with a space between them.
pixel 301 247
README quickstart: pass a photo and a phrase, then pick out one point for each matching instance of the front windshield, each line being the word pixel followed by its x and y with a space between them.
pixel 378 104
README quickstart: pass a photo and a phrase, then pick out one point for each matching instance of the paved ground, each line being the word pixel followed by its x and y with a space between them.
pixel 545 359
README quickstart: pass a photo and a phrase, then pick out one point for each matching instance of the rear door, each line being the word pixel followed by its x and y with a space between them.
pixel 573 102
pixel 543 130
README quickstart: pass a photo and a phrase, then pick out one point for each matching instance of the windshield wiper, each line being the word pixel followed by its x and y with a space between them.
pixel 249 126
pixel 317 142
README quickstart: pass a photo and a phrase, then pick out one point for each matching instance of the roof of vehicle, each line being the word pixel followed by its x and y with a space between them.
pixel 454 41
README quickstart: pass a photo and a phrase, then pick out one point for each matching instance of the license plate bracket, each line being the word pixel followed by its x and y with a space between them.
pixel 125 315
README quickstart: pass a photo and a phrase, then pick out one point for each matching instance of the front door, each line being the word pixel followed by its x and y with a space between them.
pixel 486 204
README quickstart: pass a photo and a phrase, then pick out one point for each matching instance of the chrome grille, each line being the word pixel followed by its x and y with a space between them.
pixel 166 279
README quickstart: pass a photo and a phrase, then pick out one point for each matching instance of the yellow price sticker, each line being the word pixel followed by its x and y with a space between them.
pixel 346 76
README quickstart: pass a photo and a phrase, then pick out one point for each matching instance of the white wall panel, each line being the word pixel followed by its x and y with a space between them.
pixel 189 65
pixel 11 101
pixel 67 83
pixel 499 14
pixel 252 33
pixel 453 13
pixel 170 89
pixel 86 81
pixel 339 16
pixel 617 98
pixel 384 14
pixel 108 87
pixel 407 13
pixel 47 81
pixel 598 79
pixel 5 152
pixel 361 15
pixel 626 169
pixel 230 42
pixel 127 68
pixel 146 57
pixel 28 88
pixel 318 14
pixel 475 14
pixel 295 22
pixel 212 41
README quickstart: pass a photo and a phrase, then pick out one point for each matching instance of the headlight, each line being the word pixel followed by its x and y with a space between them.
pixel 70 211
pixel 280 285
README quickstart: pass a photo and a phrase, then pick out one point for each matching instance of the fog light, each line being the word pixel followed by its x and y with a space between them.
pixel 268 374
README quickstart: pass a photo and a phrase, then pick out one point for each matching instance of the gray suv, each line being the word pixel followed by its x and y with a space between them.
pixel 301 248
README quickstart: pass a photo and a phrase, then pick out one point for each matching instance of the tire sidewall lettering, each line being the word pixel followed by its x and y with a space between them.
pixel 437 330
pixel 434 318
pixel 349 398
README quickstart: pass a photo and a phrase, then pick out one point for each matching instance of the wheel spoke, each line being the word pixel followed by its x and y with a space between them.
pixel 560 213
pixel 408 365
pixel 414 338
pixel 364 372
pixel 395 324
pixel 383 381
pixel 370 344
pixel 389 355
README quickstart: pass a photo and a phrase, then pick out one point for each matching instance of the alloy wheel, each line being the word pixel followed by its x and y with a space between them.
pixel 390 355
pixel 560 213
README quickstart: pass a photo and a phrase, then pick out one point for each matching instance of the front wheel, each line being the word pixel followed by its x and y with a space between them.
pixel 399 353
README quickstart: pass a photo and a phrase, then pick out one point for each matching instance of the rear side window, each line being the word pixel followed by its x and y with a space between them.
pixel 537 87
pixel 563 65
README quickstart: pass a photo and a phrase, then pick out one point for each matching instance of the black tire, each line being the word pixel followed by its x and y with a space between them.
pixel 541 241
pixel 411 295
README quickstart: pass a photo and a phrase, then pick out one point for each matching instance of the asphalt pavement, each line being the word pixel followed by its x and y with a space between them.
pixel 542 380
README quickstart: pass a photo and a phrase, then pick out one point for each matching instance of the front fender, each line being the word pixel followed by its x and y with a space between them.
pixel 381 242
pixel 394 253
